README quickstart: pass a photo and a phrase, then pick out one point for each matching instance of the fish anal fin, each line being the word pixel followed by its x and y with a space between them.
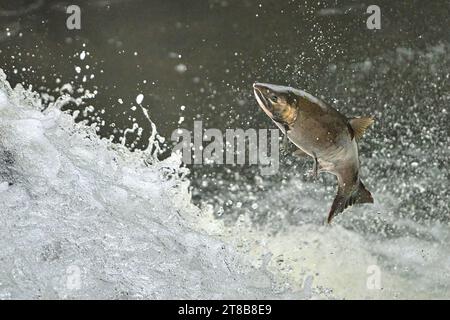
pixel 359 125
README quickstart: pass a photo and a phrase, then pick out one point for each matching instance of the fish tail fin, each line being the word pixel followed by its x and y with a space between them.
pixel 343 199
pixel 362 194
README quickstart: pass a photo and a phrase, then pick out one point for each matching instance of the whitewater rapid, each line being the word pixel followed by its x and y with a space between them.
pixel 81 217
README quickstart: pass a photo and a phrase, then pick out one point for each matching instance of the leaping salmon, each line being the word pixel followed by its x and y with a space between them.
pixel 323 133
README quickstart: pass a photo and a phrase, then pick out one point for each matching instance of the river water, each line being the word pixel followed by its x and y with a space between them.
pixel 197 61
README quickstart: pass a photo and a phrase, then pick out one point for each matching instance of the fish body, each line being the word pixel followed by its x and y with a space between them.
pixel 323 133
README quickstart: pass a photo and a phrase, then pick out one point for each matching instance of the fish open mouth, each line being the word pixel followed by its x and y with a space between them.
pixel 259 96
pixel 262 100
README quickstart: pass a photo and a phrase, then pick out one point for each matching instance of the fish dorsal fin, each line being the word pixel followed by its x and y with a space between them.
pixel 359 125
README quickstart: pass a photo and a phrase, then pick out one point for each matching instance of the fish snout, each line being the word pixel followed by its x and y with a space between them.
pixel 258 89
pixel 258 86
pixel 263 88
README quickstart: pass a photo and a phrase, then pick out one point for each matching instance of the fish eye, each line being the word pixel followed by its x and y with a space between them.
pixel 274 98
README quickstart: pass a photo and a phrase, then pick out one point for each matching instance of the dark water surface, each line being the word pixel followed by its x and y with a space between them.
pixel 205 55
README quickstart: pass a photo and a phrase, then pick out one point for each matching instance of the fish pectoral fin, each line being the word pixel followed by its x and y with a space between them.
pixel 315 169
pixel 359 125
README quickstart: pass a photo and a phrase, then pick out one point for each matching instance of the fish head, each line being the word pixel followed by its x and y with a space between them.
pixel 278 102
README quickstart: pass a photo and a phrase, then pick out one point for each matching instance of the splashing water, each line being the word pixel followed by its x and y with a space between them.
pixel 405 161
pixel 81 217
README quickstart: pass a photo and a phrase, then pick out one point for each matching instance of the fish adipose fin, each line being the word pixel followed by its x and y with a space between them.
pixel 343 200
pixel 359 125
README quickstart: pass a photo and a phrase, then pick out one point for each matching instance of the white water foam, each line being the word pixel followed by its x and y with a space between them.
pixel 81 217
